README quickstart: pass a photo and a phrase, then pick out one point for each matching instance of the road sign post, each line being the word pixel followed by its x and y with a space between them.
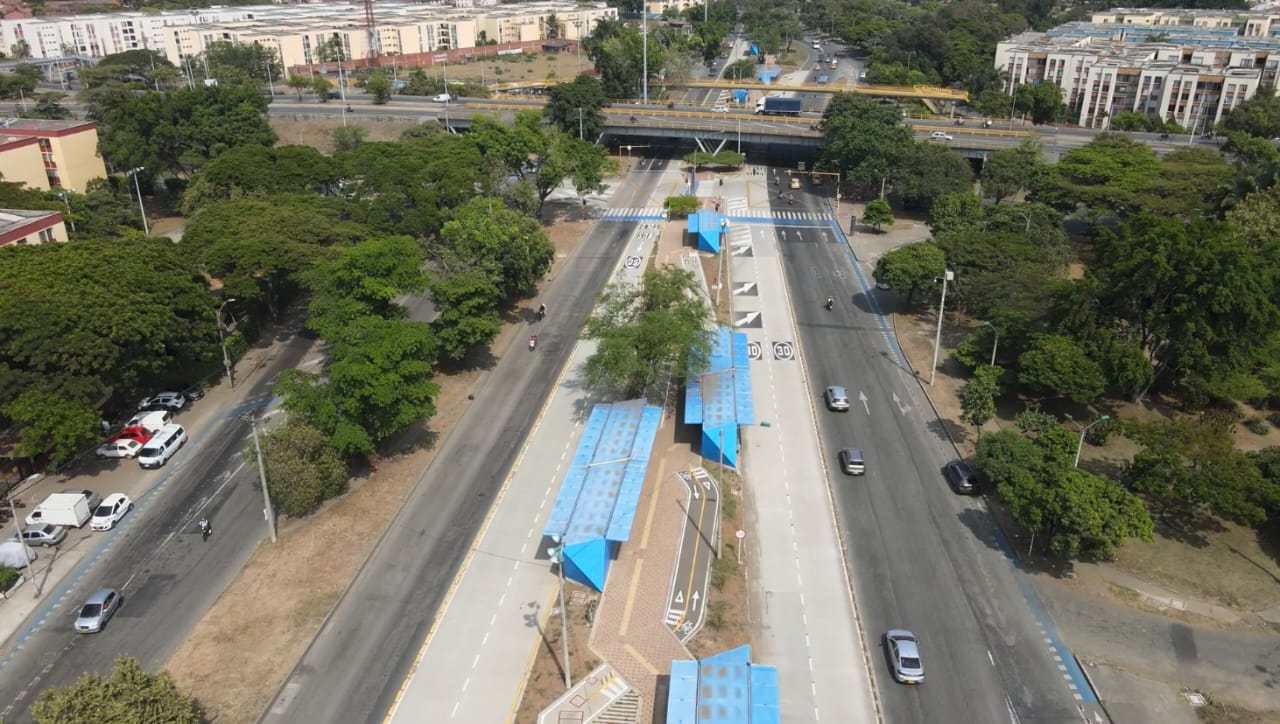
pixel 740 535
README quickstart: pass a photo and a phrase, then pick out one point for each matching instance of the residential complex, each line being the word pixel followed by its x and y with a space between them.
pixel 299 32
pixel 45 154
pixel 20 227
pixel 1189 66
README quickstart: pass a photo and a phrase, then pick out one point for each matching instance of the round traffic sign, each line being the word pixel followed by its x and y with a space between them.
pixel 740 534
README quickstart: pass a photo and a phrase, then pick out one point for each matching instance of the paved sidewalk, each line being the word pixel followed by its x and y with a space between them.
pixel 630 631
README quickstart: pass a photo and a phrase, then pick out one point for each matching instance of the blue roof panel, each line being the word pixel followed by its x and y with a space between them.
pixel 745 408
pixel 562 512
pixel 682 693
pixel 624 510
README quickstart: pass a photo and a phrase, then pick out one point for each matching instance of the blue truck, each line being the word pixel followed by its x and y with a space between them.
pixel 775 106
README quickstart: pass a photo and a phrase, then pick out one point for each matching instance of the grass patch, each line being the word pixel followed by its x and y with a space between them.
pixel 1227 714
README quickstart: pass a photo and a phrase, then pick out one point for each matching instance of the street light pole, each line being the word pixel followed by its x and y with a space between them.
pixel 558 554
pixel 262 476
pixel 644 39
pixel 134 173
pixel 63 194
pixel 1083 431
pixel 994 344
pixel 937 338
pixel 222 339
pixel 579 124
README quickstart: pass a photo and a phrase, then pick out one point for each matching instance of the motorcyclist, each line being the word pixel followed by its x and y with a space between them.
pixel 206 528
pixel 542 311
pixel 533 342
pixel 830 303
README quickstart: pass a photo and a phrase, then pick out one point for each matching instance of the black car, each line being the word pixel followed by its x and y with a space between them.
pixel 961 476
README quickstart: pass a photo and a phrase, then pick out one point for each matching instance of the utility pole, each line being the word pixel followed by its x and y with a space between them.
pixel 557 553
pixel 579 124
pixel 644 37
pixel 145 227
pixel 26 551
pixel 262 476
pixel 937 339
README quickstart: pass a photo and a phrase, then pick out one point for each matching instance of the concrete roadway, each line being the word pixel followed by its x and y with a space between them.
pixel 354 668
pixel 922 558
pixel 168 576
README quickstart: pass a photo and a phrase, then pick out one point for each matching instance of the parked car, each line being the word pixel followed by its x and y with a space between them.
pixel 110 511
pixel 41 535
pixel 174 401
pixel 193 393
pixel 961 476
pixel 36 517
pixel 152 420
pixel 904 656
pixel 101 605
pixel 118 449
pixel 137 433
pixel 837 398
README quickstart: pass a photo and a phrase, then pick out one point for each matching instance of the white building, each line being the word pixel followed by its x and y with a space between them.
pixel 1190 66
pixel 296 32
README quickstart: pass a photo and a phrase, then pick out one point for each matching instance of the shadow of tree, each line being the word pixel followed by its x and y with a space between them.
pixel 1188 528
pixel 946 430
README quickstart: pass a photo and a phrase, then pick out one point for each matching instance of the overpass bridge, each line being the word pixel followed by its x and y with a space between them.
pixel 923 92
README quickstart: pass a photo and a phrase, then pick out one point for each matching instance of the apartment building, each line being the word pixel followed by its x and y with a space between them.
pixel 50 154
pixel 1188 66
pixel 298 32
pixel 20 227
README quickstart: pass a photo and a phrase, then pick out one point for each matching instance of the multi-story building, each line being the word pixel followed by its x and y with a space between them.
pixel 1189 66
pixel 298 32
pixel 47 154
pixel 18 227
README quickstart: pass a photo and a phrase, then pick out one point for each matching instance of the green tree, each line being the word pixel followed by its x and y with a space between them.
pixel 616 52
pixel 955 212
pixel 682 205
pixel 468 312
pixel 864 141
pixel 927 171
pixel 50 423
pixel 1259 117
pixel 978 397
pixel 320 88
pixel 49 106
pixel 1007 171
pixel 577 108
pixel 298 84
pixel 126 694
pixel 379 86
pixel 1042 101
pixel 377 384
pixel 303 469
pixel 1058 365
pixel 348 138
pixel 255 171
pixel 511 249
pixel 240 63
pixel 645 334
pixel 361 281
pixel 912 268
pixel 1109 174
pixel 877 213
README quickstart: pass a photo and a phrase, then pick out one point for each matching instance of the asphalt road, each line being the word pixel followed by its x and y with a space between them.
pixel 167 575
pixel 354 667
pixel 922 558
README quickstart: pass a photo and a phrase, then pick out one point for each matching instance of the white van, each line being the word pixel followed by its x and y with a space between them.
pixel 163 446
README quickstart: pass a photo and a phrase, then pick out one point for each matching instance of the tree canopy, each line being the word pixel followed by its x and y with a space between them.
pixel 126 695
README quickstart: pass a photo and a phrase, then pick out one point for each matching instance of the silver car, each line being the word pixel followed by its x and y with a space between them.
pixel 837 398
pixel 904 655
pixel 97 610
pixel 42 535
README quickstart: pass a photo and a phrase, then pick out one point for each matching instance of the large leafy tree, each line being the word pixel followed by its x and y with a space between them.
pixel 1108 174
pixel 249 63
pixel 1007 171
pixel 181 130
pixel 258 248
pixel 1041 101
pixel 1058 365
pixel 303 469
pixel 258 171
pixel 955 212
pixel 510 249
pixel 50 423
pixel 649 332
pixel 863 140
pixel 361 281
pixel 1259 116
pixel 126 694
pixel 576 108
pixel 539 156
pixel 1189 463
pixel 101 318
pixel 912 268
pixel 616 52
pixel 467 303
pixel 928 171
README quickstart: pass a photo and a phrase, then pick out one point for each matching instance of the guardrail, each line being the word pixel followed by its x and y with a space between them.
pixel 891 91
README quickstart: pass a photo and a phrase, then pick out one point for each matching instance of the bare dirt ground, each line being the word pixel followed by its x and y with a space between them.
pixel 510 68
pixel 1216 561
pixel 314 560
pixel 319 133
pixel 546 677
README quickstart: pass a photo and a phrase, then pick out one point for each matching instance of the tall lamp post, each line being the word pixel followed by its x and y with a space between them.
pixel 63 193
pixel 1083 431
pixel 262 477
pixel 134 173
pixel 644 37
pixel 937 338
pixel 994 344
pixel 557 555
pixel 222 339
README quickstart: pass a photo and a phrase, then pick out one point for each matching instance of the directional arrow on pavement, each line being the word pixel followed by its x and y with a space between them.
pixel 749 319
pixel 902 408
pixel 746 289
pixel 862 397
pixel 693 601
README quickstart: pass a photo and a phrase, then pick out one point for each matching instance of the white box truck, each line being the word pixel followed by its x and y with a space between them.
pixel 69 509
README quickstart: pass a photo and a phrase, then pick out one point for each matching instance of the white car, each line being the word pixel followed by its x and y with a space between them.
pixel 720 108
pixel 110 511
pixel 119 449
pixel 174 401
pixel 442 98
pixel 940 136
pixel 152 421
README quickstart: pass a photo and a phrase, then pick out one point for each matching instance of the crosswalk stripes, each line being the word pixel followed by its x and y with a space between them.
pixel 633 214
pixel 674 615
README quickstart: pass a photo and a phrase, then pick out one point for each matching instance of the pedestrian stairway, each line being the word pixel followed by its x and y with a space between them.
pixel 632 214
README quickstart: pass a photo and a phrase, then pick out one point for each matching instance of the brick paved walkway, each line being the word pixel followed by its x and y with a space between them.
pixel 630 632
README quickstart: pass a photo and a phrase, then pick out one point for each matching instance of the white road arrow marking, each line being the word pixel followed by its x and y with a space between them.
pixel 693 601
pixel 902 408
pixel 862 397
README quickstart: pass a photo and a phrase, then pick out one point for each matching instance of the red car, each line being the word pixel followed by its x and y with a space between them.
pixel 137 433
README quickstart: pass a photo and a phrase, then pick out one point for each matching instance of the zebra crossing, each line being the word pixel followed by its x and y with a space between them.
pixel 634 214
pixel 779 215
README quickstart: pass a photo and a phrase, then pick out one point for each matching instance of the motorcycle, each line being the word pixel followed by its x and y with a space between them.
pixel 830 303
pixel 533 342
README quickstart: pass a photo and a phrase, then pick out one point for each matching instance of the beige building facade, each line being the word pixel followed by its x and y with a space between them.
pixel 19 227
pixel 50 154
